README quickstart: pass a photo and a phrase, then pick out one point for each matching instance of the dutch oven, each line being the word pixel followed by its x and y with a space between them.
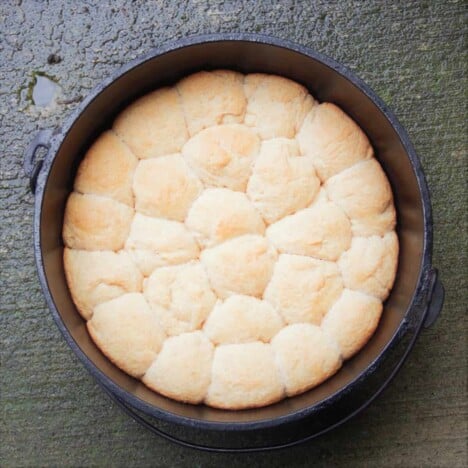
pixel 414 303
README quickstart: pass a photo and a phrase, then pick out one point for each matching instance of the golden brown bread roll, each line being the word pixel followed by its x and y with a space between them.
pixel 305 356
pixel 165 187
pixel 242 265
pixel 364 194
pixel 276 106
pixel 219 214
pixel 153 125
pixel 302 289
pixel 244 376
pixel 332 140
pixel 95 223
pixel 127 332
pixel 369 265
pixel 352 320
pixel 107 169
pixel 242 319
pixel 99 276
pixel 155 242
pixel 222 156
pixel 181 297
pixel 182 369
pixel 322 231
pixel 282 181
pixel 212 98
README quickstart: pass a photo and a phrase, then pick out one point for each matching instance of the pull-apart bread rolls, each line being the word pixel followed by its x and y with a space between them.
pixel 229 240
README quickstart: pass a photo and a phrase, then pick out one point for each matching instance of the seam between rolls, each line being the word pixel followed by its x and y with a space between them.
pixel 337 346
pixel 125 248
pixel 132 181
pixel 182 107
pixel 279 369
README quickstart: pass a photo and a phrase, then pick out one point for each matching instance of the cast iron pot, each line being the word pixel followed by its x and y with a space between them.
pixel 414 302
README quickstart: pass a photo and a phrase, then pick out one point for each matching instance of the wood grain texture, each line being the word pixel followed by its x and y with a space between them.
pixel 414 56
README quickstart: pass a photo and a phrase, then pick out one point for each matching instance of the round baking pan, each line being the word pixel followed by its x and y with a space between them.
pixel 415 301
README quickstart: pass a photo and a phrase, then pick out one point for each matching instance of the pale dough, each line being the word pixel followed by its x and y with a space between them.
pixel 230 240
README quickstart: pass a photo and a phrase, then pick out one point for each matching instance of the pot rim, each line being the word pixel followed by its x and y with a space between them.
pixel 426 256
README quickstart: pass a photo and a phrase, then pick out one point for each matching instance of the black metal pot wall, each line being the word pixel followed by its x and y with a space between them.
pixel 416 298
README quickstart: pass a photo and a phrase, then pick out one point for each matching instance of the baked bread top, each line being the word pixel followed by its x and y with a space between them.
pixel 230 240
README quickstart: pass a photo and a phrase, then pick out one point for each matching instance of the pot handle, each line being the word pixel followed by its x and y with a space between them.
pixel 31 165
pixel 155 430
pixel 192 445
pixel 435 298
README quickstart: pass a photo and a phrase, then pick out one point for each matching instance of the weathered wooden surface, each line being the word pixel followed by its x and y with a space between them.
pixel 412 53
